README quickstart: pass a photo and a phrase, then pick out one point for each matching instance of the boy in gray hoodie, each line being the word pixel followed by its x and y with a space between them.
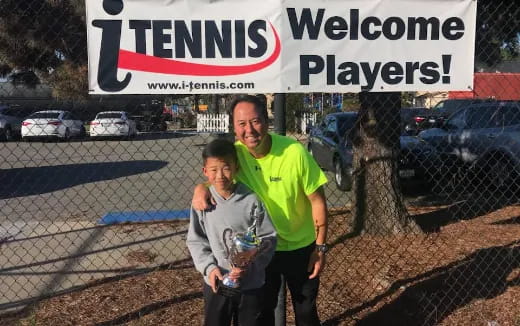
pixel 237 208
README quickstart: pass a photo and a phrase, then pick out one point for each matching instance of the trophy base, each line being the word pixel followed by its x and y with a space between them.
pixel 227 291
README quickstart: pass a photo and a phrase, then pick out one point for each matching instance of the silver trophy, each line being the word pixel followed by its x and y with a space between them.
pixel 241 250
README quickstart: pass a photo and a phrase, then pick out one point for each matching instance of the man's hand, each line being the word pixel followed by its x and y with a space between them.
pixel 319 215
pixel 202 199
pixel 316 264
pixel 213 277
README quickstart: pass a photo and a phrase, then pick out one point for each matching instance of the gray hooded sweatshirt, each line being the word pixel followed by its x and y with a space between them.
pixel 205 234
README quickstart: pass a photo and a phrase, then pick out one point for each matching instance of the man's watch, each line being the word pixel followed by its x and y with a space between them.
pixel 323 248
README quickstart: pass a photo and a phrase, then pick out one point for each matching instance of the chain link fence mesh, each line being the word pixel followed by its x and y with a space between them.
pixel 422 192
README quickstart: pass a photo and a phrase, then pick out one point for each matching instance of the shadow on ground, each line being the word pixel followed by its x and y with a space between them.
pixel 460 207
pixel 481 275
pixel 430 297
pixel 20 182
pixel 443 210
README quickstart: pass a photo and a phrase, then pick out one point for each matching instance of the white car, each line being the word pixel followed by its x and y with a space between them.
pixel 52 123
pixel 113 124
pixel 10 122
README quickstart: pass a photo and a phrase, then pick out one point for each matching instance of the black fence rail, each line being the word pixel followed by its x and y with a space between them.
pixel 423 192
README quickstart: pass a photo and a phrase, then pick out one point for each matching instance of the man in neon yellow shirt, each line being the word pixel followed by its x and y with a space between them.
pixel 289 182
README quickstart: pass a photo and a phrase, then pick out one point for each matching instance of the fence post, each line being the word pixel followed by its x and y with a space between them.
pixel 199 122
pixel 279 113
pixel 280 128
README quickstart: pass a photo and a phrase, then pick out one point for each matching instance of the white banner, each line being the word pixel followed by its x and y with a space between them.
pixel 244 46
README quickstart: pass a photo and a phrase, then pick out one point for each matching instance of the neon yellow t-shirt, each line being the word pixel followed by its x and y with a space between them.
pixel 283 179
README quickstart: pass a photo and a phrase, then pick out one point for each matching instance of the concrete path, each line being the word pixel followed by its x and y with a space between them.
pixel 39 259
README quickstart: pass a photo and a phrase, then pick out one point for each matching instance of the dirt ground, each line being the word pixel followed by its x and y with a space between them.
pixel 464 271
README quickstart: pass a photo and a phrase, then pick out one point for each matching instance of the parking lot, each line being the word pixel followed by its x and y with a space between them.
pixel 82 180
pixel 86 179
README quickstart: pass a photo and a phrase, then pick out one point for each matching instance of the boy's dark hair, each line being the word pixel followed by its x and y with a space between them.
pixel 258 102
pixel 220 148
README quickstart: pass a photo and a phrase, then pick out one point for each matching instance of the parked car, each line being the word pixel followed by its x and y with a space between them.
pixel 330 146
pixel 409 116
pixel 52 124
pixel 419 163
pixel 112 124
pixel 484 140
pixel 331 149
pixel 436 116
pixel 10 122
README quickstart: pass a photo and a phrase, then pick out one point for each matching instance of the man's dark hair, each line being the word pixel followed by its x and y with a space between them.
pixel 255 100
pixel 220 148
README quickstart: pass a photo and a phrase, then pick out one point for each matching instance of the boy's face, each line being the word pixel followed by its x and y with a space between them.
pixel 220 172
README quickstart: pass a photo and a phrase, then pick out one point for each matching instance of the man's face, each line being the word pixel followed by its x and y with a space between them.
pixel 250 125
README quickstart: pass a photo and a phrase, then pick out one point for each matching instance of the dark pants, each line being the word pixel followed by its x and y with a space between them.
pixel 243 309
pixel 293 266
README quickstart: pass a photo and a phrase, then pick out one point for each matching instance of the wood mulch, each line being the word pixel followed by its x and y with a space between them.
pixel 465 273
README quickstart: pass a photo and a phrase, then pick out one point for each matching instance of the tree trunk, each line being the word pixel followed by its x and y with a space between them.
pixel 214 104
pixel 196 103
pixel 378 201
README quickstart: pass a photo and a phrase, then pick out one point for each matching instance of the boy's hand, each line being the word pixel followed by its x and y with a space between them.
pixel 202 199
pixel 237 273
pixel 213 277
pixel 316 264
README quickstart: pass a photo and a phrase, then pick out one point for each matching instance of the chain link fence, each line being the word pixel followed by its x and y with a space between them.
pixel 94 191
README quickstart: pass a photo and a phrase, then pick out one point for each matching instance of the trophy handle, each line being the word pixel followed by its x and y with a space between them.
pixel 265 245
pixel 227 237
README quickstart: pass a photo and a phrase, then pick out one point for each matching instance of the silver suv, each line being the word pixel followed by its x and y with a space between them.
pixel 484 139
pixel 10 122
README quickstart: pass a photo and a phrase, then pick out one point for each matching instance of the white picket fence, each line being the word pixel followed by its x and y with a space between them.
pixel 219 122
pixel 212 122
pixel 308 121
